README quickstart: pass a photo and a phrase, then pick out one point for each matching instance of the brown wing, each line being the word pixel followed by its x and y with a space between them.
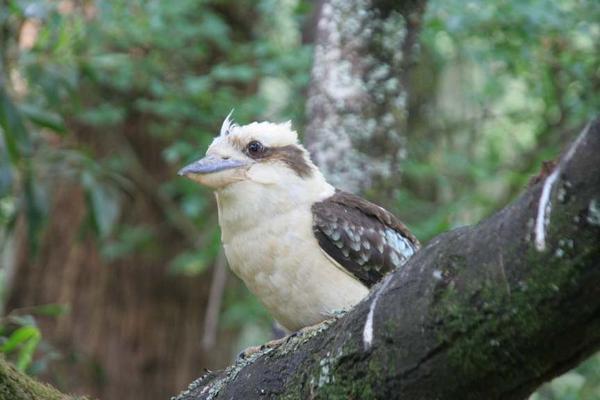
pixel 365 239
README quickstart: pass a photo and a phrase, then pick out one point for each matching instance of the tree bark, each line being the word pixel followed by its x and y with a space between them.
pixel 483 312
pixel 358 96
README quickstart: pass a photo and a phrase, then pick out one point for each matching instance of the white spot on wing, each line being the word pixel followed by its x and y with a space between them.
pixel 364 258
pixel 399 243
pixel 395 260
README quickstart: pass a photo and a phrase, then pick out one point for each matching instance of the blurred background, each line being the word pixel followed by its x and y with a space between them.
pixel 113 283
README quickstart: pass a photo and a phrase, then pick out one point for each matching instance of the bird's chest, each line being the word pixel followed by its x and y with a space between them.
pixel 281 262
pixel 268 257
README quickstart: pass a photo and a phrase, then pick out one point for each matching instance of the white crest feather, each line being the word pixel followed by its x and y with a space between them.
pixel 227 124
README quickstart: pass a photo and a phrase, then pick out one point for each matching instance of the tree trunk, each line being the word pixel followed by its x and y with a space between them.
pixel 358 96
pixel 483 312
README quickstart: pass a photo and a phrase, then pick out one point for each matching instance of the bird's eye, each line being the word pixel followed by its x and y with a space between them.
pixel 255 147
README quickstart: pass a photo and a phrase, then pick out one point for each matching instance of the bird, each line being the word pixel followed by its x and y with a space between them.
pixel 306 249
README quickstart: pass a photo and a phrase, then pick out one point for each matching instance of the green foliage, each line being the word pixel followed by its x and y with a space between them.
pixel 498 86
pixel 127 241
pixel 17 147
pixel 20 337
pixel 16 137
pixel 581 383
pixel 22 341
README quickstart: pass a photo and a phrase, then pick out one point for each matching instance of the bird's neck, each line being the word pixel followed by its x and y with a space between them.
pixel 246 204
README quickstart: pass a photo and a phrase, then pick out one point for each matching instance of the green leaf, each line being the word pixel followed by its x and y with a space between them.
pixel 27 351
pixel 106 208
pixel 43 118
pixel 6 174
pixel 35 212
pixel 104 114
pixel 19 337
pixel 233 73
pixel 16 136
pixel 52 310
pixel 190 263
pixel 129 239
pixel 104 202
pixel 196 84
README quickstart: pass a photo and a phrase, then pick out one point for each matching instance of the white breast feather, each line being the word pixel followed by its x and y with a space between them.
pixel 269 243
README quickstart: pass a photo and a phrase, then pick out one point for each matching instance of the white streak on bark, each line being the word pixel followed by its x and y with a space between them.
pixel 368 329
pixel 543 213
pixel 545 203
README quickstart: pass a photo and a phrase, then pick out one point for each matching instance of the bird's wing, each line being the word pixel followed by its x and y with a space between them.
pixel 363 238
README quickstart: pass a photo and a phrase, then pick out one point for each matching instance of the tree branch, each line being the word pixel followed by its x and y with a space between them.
pixel 15 385
pixel 480 312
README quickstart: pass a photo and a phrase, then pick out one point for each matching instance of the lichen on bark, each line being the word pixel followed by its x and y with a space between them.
pixel 357 100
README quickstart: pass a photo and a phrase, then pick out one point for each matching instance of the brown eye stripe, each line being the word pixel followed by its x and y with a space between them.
pixel 293 157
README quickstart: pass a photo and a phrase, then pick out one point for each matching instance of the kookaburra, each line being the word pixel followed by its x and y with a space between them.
pixel 306 249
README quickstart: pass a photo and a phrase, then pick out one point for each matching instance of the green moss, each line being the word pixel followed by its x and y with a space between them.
pixel 15 385
pixel 344 384
pixel 477 319
pixel 339 375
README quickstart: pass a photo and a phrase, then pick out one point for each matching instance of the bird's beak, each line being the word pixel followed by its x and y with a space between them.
pixel 209 165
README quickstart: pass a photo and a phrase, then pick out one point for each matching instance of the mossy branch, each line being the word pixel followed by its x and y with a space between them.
pixel 489 311
pixel 15 385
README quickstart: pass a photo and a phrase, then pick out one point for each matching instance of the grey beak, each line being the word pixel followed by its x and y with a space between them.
pixel 208 165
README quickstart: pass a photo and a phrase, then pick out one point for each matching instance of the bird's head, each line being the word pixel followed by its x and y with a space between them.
pixel 262 152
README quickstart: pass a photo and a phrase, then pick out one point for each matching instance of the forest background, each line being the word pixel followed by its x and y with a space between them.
pixel 113 283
